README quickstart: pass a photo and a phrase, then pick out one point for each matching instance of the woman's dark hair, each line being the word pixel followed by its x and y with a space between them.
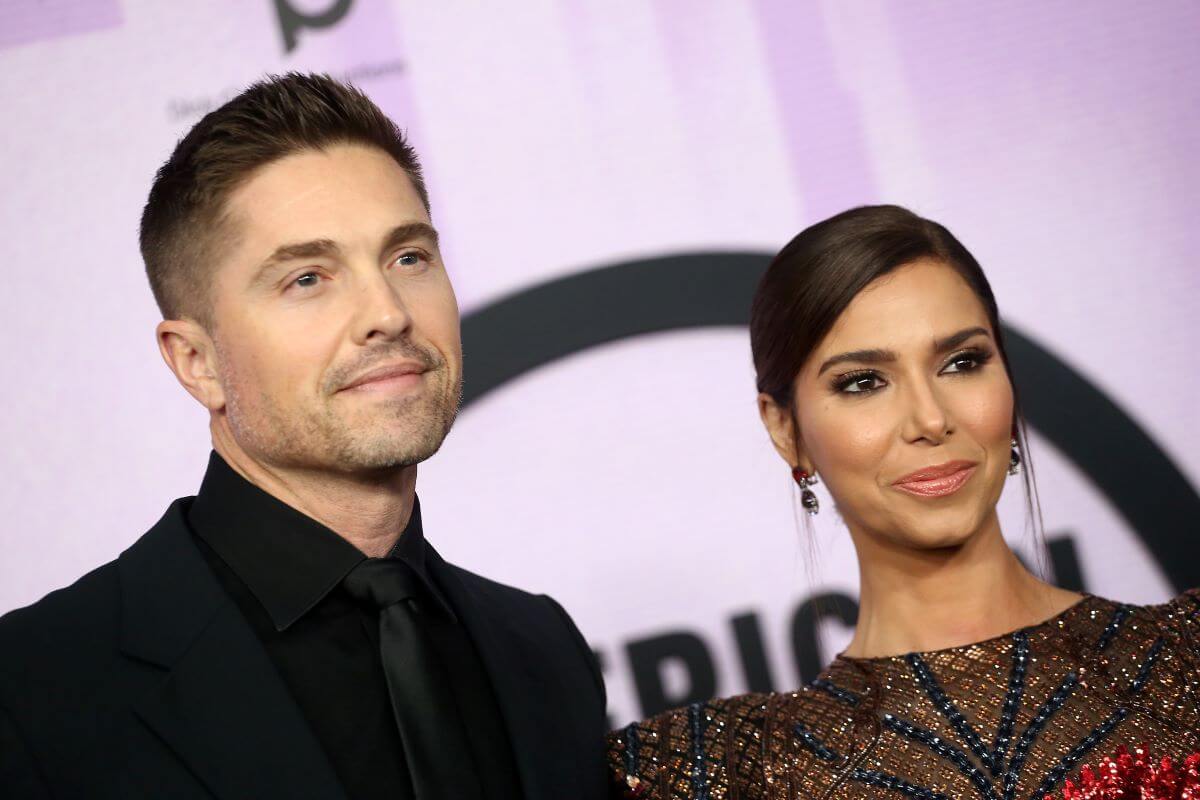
pixel 817 274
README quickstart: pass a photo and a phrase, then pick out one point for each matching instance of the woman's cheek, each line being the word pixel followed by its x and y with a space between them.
pixel 849 444
pixel 987 409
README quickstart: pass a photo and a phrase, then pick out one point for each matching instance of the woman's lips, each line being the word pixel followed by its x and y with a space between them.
pixel 939 481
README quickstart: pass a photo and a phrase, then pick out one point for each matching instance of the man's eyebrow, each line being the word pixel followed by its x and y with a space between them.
pixel 320 248
pixel 407 232
pixel 879 356
pixel 317 248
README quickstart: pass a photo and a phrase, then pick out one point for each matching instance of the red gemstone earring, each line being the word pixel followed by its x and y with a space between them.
pixel 808 498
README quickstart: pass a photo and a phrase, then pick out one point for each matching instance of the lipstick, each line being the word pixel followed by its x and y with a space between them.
pixel 940 480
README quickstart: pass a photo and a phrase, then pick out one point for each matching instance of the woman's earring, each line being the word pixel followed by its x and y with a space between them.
pixel 808 498
pixel 1014 460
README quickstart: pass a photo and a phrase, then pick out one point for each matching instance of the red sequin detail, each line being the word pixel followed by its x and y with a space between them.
pixel 1137 776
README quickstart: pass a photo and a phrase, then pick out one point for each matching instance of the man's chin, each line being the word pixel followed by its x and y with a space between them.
pixel 392 449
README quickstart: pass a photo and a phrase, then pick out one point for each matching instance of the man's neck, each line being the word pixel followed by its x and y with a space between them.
pixel 914 601
pixel 369 512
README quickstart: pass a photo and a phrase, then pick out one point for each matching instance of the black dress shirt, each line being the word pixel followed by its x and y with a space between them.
pixel 284 571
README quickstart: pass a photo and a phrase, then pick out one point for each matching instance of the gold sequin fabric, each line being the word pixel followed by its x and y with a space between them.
pixel 1007 718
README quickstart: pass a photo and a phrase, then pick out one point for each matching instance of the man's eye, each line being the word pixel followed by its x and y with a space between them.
pixel 408 260
pixel 307 280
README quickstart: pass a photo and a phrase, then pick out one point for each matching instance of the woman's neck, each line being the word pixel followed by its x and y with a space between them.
pixel 919 600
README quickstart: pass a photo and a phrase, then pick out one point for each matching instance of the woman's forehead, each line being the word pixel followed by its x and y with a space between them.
pixel 911 306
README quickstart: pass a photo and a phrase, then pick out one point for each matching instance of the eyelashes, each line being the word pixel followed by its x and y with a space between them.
pixel 860 382
pixel 863 382
pixel 974 358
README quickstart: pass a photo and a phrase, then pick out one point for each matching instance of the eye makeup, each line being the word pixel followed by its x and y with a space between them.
pixel 863 382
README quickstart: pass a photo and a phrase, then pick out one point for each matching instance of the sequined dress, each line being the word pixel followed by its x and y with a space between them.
pixel 1010 717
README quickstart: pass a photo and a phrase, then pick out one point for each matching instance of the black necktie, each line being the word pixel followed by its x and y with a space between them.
pixel 435 742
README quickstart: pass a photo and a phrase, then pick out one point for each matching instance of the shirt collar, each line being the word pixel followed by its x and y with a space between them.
pixel 288 560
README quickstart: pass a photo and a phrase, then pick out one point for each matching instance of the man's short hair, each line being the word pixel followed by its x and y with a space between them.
pixel 182 233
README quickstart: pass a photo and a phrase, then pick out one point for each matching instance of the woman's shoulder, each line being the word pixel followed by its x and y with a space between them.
pixel 1184 606
pixel 728 742
pixel 1177 618
pixel 1178 623
pixel 1112 625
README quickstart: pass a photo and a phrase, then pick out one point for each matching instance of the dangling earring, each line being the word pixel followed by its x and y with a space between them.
pixel 808 498
pixel 1014 460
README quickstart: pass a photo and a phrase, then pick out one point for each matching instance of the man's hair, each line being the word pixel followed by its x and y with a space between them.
pixel 182 229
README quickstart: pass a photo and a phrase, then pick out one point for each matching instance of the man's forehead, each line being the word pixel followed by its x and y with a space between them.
pixel 309 177
pixel 352 193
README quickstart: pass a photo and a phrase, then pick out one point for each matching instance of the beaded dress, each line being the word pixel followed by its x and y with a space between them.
pixel 1009 717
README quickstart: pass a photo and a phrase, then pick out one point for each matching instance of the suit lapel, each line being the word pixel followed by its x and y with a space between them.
pixel 529 692
pixel 222 706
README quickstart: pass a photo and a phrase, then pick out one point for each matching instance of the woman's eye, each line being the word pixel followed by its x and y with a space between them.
pixel 967 362
pixel 860 384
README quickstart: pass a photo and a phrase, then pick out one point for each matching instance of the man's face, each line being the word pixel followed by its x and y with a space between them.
pixel 335 326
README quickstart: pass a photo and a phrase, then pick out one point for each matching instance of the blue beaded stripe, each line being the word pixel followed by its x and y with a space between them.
pixel 944 749
pixel 845 695
pixel 1089 743
pixel 873 778
pixel 699 770
pixel 631 749
pixel 947 708
pixel 1118 618
pixel 1147 665
pixel 1012 701
pixel 1043 715
pixel 814 744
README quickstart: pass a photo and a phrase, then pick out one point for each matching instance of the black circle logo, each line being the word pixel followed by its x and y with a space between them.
pixel 553 320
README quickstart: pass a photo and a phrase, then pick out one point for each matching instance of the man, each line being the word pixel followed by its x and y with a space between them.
pixel 289 632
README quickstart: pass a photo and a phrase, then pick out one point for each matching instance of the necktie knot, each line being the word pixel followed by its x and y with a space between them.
pixel 382 582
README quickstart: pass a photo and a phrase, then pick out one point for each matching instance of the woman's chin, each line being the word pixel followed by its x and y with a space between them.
pixel 945 529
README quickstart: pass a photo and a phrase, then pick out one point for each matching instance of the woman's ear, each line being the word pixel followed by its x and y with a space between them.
pixel 781 426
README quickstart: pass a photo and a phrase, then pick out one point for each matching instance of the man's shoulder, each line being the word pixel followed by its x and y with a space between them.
pixel 70 621
pixel 534 618
pixel 80 623
pixel 493 591
pixel 537 612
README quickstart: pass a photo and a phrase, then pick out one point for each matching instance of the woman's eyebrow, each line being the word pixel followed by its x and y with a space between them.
pixel 955 339
pixel 873 356
pixel 881 356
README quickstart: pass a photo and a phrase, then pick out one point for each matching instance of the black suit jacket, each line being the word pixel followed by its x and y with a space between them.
pixel 144 680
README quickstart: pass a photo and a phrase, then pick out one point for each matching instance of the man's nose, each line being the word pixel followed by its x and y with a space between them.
pixel 382 313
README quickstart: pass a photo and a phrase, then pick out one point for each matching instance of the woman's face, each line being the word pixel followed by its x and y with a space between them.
pixel 905 410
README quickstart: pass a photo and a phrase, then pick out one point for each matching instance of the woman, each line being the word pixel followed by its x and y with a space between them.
pixel 881 369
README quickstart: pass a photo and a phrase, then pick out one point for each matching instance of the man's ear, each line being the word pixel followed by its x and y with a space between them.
pixel 189 352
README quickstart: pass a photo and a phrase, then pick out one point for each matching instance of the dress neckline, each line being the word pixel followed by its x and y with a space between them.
pixel 1057 620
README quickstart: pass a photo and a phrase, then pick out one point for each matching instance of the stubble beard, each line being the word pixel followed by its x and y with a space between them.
pixel 381 436
pixel 399 433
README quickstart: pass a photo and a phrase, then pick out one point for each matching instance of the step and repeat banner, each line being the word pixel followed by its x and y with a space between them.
pixel 610 178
